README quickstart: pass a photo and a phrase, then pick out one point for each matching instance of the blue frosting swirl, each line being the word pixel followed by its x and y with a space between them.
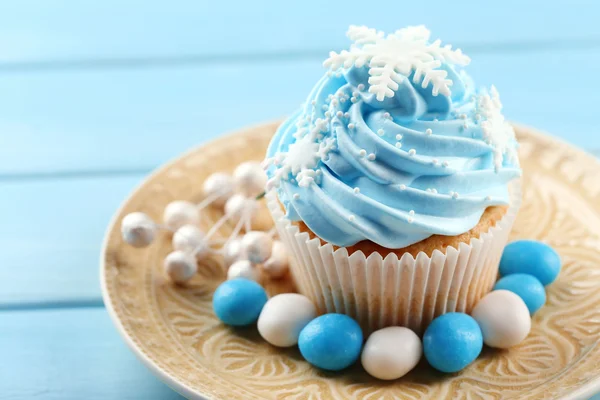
pixel 393 172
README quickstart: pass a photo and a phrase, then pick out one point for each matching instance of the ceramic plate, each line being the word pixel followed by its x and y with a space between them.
pixel 174 332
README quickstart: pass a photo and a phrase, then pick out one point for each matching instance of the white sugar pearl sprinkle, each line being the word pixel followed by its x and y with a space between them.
pixel 350 125
pixel 411 212
pixel 488 198
pixel 445 164
pixel 180 266
pixel 339 114
pixel 296 196
pixel 258 246
pixel 380 132
pixel 455 195
pixel 346 115
pixel 361 86
pixel 362 153
pixel 403 187
pixel 138 230
pixel 371 156
pixel 428 131
pixel 398 137
pixel 243 269
pixel 387 115
pixel 412 152
pixel 435 161
pixel 398 145
pixel 356 190
pixel 250 179
pixel 179 213
pixel 351 218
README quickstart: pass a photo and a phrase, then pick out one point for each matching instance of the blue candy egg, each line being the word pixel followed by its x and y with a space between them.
pixel 238 302
pixel 527 287
pixel 331 341
pixel 531 257
pixel 452 341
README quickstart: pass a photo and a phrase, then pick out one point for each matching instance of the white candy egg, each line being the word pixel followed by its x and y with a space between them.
pixel 503 318
pixel 218 184
pixel 283 317
pixel 179 213
pixel 190 239
pixel 239 205
pixel 180 266
pixel 243 269
pixel 233 251
pixel 138 229
pixel 257 246
pixel 278 263
pixel 250 179
pixel 391 353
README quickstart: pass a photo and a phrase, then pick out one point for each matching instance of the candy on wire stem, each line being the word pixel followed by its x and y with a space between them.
pixel 246 215
pixel 208 200
pixel 218 225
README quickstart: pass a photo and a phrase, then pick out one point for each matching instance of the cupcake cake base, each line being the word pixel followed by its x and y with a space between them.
pixel 402 288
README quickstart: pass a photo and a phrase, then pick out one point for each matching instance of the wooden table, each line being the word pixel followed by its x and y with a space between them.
pixel 94 95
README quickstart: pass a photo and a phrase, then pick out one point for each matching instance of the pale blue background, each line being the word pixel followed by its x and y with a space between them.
pixel 95 94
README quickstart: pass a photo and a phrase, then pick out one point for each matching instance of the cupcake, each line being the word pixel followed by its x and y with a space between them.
pixel 395 185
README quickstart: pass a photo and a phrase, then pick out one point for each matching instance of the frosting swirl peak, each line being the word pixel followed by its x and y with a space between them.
pixel 393 145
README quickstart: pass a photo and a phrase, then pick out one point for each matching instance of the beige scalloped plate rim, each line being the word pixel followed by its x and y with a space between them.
pixel 583 391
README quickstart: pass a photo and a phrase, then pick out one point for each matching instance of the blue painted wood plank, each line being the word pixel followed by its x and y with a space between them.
pixel 71 355
pixel 52 235
pixel 131 119
pixel 136 119
pixel 43 30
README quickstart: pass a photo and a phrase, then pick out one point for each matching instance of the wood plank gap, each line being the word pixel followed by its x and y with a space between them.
pixel 68 175
pixel 53 305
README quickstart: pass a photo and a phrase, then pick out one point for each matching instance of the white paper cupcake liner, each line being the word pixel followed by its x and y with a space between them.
pixel 382 290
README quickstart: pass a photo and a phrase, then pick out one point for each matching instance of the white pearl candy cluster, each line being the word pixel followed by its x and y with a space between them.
pixel 237 194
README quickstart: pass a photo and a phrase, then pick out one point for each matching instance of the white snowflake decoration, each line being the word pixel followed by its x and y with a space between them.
pixel 395 56
pixel 497 132
pixel 303 156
